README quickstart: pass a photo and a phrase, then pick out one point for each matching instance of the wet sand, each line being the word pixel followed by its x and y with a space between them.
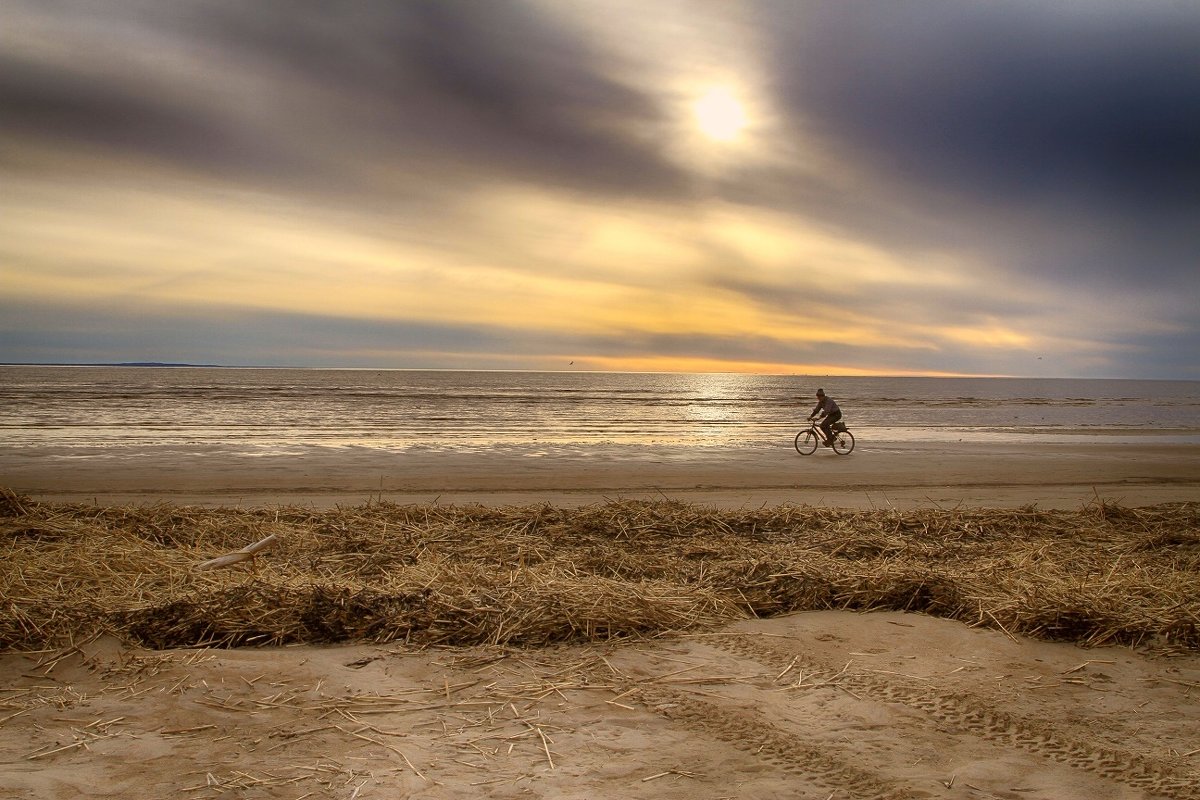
pixel 908 475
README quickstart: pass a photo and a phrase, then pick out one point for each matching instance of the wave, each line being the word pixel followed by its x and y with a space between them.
pixel 108 406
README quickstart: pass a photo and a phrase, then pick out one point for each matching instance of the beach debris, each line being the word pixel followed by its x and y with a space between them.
pixel 530 576
pixel 13 504
pixel 247 553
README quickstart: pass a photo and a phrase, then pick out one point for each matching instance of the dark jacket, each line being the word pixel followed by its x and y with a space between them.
pixel 827 405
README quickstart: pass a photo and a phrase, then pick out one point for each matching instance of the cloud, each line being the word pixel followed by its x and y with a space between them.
pixel 457 92
pixel 1076 122
pixel 952 187
pixel 116 332
pixel 1010 98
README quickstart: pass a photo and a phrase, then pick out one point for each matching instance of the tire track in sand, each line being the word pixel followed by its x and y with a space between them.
pixel 978 718
pixel 753 733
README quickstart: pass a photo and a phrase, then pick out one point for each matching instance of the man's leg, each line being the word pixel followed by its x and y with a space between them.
pixel 827 426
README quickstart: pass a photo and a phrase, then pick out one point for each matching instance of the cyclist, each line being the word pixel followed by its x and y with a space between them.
pixel 832 414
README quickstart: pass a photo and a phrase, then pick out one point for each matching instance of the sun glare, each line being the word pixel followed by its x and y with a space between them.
pixel 719 114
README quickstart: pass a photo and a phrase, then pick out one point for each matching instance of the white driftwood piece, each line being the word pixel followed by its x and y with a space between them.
pixel 247 553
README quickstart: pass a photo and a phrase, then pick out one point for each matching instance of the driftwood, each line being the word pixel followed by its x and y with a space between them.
pixel 247 553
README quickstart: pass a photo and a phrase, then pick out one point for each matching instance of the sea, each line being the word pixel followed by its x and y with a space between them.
pixel 81 409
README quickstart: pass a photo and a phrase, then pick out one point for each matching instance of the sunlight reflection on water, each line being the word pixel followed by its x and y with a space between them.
pixel 284 411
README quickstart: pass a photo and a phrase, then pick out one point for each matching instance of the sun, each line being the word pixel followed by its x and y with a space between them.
pixel 719 114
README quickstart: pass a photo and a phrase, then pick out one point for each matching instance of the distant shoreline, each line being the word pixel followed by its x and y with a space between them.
pixel 133 364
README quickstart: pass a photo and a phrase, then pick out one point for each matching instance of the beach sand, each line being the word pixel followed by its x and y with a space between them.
pixel 811 705
pixel 900 475
pixel 825 704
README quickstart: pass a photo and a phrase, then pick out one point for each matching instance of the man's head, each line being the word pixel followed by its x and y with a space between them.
pixel 820 392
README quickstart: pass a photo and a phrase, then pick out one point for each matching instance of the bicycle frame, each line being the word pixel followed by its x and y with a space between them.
pixel 842 441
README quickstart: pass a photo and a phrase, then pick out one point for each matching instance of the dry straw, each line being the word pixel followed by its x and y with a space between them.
pixel 537 575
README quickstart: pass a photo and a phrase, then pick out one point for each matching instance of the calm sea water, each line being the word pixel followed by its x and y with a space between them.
pixel 266 409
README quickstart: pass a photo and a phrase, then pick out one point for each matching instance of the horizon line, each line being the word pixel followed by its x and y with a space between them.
pixel 935 375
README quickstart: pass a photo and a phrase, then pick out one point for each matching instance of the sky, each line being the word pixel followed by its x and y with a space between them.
pixel 769 186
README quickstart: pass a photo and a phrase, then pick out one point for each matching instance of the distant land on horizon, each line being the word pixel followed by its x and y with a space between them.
pixel 103 364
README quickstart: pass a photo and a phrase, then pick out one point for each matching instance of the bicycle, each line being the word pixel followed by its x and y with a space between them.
pixel 808 439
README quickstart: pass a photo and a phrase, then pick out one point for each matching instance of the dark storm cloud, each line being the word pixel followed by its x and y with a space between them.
pixel 1010 97
pixel 71 107
pixel 484 90
pixel 496 84
pixel 1086 115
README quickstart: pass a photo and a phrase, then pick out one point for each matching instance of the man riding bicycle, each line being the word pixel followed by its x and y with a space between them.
pixel 832 414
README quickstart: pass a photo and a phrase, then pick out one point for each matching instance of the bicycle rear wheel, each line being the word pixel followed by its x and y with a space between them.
pixel 843 442
pixel 806 442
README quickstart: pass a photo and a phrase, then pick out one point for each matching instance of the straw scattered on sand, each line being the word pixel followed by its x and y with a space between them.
pixel 427 574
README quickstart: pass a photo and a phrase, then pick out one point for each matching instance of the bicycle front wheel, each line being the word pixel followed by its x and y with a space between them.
pixel 843 443
pixel 806 443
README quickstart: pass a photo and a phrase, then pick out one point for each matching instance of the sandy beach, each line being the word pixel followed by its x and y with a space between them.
pixel 811 704
pixel 1139 471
